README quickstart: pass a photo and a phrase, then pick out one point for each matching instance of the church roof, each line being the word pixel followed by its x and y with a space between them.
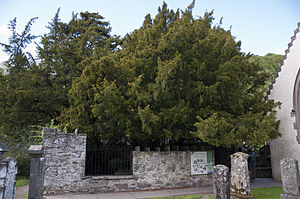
pixel 284 57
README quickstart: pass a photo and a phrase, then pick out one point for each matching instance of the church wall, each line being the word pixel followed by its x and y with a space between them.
pixel 287 145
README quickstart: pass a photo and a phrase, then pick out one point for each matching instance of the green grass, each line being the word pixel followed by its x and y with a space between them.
pixel 267 193
pixel 22 182
pixel 259 193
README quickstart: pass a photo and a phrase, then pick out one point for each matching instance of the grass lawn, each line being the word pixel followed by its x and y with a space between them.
pixel 259 193
pixel 22 182
pixel 267 193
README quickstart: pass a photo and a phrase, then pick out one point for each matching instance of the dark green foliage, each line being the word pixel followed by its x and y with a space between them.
pixel 32 94
pixel 16 89
pixel 23 159
pixel 18 96
pixel 19 60
pixel 175 77
pixel 271 63
pixel 68 44
pixel 222 155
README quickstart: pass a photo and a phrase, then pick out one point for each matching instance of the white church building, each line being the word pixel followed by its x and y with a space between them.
pixel 286 89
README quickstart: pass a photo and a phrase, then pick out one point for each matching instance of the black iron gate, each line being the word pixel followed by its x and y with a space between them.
pixel 109 161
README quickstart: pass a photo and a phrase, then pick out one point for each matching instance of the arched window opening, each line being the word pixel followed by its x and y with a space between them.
pixel 296 105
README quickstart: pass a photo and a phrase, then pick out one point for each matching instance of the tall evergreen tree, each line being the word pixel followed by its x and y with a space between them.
pixel 18 95
pixel 13 109
pixel 19 60
pixel 35 93
pixel 174 77
pixel 66 45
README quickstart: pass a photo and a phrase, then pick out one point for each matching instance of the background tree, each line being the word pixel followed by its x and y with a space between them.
pixel 66 45
pixel 15 106
pixel 19 94
pixel 32 94
pixel 271 63
pixel 174 77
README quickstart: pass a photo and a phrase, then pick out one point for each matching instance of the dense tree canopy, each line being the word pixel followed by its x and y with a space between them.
pixel 17 93
pixel 67 45
pixel 175 77
pixel 271 63
pixel 32 93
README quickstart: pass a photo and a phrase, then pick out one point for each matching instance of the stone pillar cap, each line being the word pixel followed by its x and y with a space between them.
pixel 239 154
pixel 36 150
pixel 220 166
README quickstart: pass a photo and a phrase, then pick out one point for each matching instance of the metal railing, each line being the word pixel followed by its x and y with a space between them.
pixel 109 161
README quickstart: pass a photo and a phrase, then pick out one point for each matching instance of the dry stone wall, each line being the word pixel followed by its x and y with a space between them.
pixel 65 165
pixel 64 155
pixel 166 170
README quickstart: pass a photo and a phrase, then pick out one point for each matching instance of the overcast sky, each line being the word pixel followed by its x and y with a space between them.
pixel 263 26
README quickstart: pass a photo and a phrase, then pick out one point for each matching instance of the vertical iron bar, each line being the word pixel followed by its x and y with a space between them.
pixel 104 162
pixel 101 162
pixel 119 160
pixel 109 161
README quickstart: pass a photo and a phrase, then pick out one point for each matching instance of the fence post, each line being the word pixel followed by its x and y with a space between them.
pixel 290 179
pixel 221 182
pixel 36 183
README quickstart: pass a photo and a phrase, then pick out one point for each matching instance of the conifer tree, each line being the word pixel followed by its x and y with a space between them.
pixel 174 77
pixel 33 93
pixel 67 45
pixel 21 102
pixel 15 109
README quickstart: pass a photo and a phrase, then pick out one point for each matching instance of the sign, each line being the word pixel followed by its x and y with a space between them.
pixel 201 162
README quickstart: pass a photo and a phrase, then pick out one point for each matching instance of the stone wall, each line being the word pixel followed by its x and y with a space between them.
pixel 65 161
pixel 64 155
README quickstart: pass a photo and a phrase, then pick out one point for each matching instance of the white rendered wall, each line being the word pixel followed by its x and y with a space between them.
pixel 287 145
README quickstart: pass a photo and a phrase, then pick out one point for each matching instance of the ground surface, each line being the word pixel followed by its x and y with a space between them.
pixel 258 183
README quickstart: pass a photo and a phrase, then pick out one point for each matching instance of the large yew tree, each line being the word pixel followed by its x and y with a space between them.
pixel 175 77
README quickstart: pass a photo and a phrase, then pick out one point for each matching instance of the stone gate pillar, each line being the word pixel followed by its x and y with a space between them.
pixel 36 179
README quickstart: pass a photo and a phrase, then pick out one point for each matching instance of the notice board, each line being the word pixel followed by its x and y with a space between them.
pixel 202 162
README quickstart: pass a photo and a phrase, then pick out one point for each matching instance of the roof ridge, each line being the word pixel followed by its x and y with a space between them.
pixel 284 58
